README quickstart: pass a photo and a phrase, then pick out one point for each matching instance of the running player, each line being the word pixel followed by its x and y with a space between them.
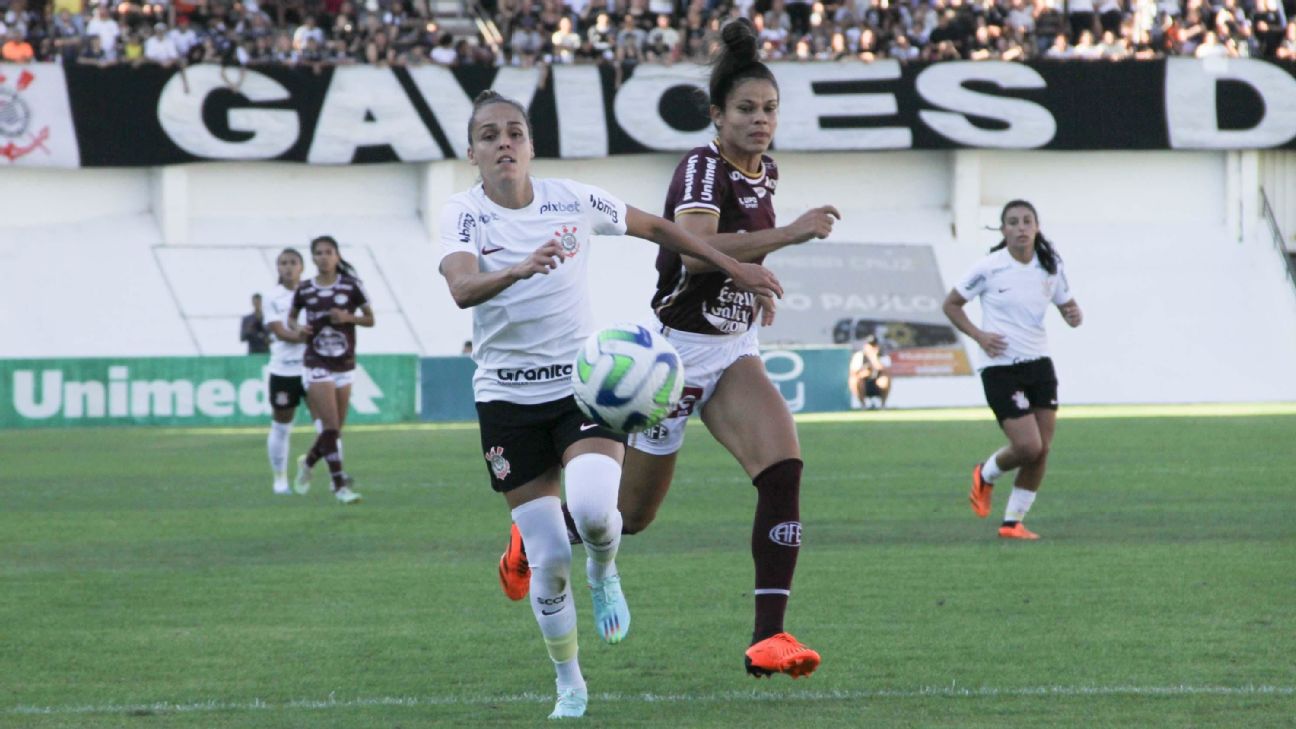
pixel 331 301
pixel 724 194
pixel 516 250
pixel 287 346
pixel 1016 283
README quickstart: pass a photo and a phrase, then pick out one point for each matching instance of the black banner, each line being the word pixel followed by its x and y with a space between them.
pixel 125 116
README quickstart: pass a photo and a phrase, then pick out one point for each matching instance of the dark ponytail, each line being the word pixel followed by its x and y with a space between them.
pixel 344 266
pixel 289 252
pixel 737 60
pixel 1044 250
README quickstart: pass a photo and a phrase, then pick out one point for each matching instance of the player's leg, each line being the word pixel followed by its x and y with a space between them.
pixel 285 396
pixel 323 403
pixel 536 513
pixel 1029 477
pixel 1005 392
pixel 592 470
pixel 749 416
pixel 342 482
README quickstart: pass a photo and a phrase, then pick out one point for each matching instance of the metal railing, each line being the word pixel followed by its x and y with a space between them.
pixel 1276 235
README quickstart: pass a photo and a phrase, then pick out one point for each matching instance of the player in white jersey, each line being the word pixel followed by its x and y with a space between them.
pixel 1017 282
pixel 287 346
pixel 516 249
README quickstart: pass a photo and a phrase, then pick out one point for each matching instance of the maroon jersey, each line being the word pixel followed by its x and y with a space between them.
pixel 705 183
pixel 332 346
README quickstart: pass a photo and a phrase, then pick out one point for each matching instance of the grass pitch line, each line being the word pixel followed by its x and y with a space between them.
pixel 952 691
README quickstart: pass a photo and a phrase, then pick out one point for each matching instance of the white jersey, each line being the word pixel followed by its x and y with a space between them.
pixel 285 357
pixel 1015 297
pixel 526 337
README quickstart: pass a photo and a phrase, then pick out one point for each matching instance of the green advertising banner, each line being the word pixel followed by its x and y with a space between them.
pixel 811 380
pixel 51 393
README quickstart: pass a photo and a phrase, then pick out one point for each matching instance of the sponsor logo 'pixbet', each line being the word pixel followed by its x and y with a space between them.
pixel 560 207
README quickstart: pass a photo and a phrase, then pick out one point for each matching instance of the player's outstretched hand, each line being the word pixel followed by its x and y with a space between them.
pixel 542 260
pixel 757 279
pixel 815 223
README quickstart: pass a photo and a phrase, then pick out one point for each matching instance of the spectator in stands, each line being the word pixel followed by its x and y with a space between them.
pixel 1268 27
pixel 106 29
pixel 1112 48
pixel 159 49
pixel 92 54
pixel 307 30
pixel 132 49
pixel 184 37
pixel 253 329
pixel 902 50
pixel 565 41
pixel 65 37
pixel 1080 13
pixel 526 44
pixel 1110 15
pixel 1286 50
pixel 16 48
pixel 1061 48
pixel 1049 23
pixel 444 53
pixel 663 41
pixel 1210 47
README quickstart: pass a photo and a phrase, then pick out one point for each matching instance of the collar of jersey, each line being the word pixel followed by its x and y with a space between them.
pixel 715 145
pixel 535 198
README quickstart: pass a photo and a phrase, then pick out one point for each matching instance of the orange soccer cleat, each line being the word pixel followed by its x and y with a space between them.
pixel 1016 531
pixel 514 570
pixel 781 653
pixel 980 493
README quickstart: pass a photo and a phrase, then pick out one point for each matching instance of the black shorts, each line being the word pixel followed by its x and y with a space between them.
pixel 1014 390
pixel 286 392
pixel 521 442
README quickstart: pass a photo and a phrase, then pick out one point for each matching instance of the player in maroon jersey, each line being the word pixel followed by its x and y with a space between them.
pixel 723 193
pixel 331 301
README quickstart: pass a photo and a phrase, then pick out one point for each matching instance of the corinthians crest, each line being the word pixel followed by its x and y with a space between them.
pixel 567 239
pixel 15 119
pixel 499 465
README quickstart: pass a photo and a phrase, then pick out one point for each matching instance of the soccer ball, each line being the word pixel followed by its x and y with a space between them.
pixel 627 378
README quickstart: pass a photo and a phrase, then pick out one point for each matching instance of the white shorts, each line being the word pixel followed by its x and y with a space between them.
pixel 319 374
pixel 705 358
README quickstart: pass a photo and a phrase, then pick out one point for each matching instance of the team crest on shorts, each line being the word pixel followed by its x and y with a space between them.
pixel 567 239
pixel 281 399
pixel 499 465
pixel 1019 399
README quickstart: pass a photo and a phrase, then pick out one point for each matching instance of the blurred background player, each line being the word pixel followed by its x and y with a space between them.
pixel 869 381
pixel 527 329
pixel 253 329
pixel 287 347
pixel 331 301
pixel 724 194
pixel 1016 283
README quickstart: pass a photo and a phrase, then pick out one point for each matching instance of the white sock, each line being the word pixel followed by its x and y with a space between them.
pixel 277 447
pixel 593 480
pixel 549 554
pixel 1018 504
pixel 990 470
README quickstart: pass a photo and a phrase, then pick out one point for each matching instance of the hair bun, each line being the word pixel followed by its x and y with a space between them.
pixel 739 37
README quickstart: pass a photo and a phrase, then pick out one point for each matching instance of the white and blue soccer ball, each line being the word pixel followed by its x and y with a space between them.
pixel 627 378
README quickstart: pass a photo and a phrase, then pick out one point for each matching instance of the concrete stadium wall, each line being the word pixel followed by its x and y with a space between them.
pixel 1184 294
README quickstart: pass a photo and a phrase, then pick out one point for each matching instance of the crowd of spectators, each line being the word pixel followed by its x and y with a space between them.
pixel 316 33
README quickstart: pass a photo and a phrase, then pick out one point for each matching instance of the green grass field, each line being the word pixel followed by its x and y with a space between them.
pixel 148 578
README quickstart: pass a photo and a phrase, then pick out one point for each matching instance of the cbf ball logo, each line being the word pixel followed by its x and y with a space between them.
pixel 567 239
pixel 499 465
pixel 787 534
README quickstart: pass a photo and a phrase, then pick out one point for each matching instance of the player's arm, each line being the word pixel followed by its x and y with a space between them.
pixel 364 319
pixel 993 344
pixel 470 286
pixel 304 330
pixel 746 276
pixel 751 246
pixel 286 334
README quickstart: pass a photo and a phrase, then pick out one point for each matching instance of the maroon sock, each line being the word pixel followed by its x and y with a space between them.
pixel 776 540
pixel 326 447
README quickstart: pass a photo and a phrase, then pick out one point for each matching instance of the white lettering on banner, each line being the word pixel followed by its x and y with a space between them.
pixel 1029 124
pixel 180 110
pixel 638 102
pixel 878 303
pixel 182 398
pixel 582 125
pixel 1190 103
pixel 365 106
pixel 452 107
pixel 796 403
pixel 801 108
